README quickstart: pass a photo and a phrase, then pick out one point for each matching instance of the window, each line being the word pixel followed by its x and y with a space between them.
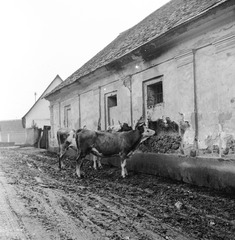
pixel 153 98
pixel 112 101
pixel 67 116
pixel 111 108
pixel 154 94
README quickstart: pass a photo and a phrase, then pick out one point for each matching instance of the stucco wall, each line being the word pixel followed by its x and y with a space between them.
pixel 198 65
pixel 207 57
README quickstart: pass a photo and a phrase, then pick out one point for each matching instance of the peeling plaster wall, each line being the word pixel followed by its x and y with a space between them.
pixel 89 108
pixel 218 89
pixel 208 58
pixel 123 101
pixel 204 54
pixel 87 101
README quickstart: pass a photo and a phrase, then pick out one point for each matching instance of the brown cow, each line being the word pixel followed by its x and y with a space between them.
pixel 105 144
pixel 114 128
pixel 66 140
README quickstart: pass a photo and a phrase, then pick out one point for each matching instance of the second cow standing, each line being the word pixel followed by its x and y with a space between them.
pixel 66 141
pixel 105 144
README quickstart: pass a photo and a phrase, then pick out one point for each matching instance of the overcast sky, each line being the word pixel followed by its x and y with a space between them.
pixel 43 38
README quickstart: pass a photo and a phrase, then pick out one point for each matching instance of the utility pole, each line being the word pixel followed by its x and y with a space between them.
pixel 35 95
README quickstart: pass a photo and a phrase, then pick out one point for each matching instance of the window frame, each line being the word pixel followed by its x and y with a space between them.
pixel 67 121
pixel 107 107
pixel 147 84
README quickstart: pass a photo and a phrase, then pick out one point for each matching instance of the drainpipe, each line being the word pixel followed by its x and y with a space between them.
pixel 127 82
pixel 60 114
pixel 79 110
pixel 100 106
pixel 195 101
pixel 131 107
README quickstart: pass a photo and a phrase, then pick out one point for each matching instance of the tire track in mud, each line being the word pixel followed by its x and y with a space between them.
pixel 197 204
pixel 98 214
pixel 47 206
pixel 109 217
pixel 105 206
pixel 114 215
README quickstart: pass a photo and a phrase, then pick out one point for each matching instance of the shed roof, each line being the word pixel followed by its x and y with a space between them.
pixel 170 15
pixel 11 125
pixel 40 98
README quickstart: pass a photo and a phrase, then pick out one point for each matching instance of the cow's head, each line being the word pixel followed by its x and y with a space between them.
pixel 71 136
pixel 145 132
pixel 125 128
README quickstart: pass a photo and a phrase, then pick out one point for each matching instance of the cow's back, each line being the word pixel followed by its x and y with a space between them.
pixel 108 143
pixel 84 138
pixel 62 135
pixel 104 142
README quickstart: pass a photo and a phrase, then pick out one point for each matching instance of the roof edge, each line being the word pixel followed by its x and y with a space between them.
pixel 205 11
pixel 41 96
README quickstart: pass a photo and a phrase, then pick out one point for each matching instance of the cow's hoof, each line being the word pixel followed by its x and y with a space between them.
pixel 78 176
pixel 81 175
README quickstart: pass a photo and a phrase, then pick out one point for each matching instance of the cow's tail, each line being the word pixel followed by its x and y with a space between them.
pixel 79 130
pixel 77 140
pixel 58 139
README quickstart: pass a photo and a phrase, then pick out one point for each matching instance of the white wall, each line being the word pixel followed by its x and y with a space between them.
pixel 39 114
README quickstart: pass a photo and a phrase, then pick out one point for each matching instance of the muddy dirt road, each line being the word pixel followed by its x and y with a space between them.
pixel 49 204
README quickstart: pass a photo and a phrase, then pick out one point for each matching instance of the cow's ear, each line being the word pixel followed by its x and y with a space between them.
pixel 140 127
pixel 140 122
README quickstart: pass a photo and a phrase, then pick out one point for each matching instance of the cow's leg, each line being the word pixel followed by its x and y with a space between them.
pixel 123 157
pixel 61 164
pixel 61 156
pixel 79 162
pixel 95 152
pixel 99 162
pixel 95 159
pixel 123 166
pixel 60 160
pixel 126 173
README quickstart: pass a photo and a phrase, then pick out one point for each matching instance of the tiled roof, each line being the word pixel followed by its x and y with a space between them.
pixel 156 24
pixel 11 126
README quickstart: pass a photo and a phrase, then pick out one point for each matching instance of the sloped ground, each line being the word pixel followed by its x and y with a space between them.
pixel 58 205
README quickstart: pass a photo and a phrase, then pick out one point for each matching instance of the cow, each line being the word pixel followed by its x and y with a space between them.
pixel 105 144
pixel 118 128
pixel 113 128
pixel 66 140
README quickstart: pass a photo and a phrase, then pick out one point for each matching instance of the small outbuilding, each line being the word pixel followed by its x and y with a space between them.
pixel 38 116
pixel 12 132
